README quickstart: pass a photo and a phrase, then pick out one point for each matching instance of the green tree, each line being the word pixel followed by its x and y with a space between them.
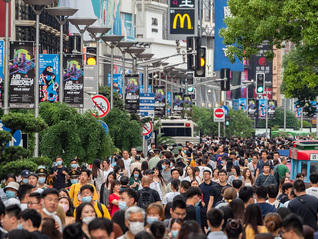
pixel 71 134
pixel 291 120
pixel 124 129
pixel 118 101
pixel 240 125
pixel 203 117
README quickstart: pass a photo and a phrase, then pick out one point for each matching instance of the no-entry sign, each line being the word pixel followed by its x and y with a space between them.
pixel 147 128
pixel 101 104
pixel 219 115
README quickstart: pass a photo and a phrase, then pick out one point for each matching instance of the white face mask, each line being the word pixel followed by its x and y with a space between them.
pixel 48 213
pixel 87 220
pixel 136 227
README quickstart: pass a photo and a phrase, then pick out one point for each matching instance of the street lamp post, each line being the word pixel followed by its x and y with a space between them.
pixel 145 56
pixel 42 4
pixel 61 14
pixel 6 53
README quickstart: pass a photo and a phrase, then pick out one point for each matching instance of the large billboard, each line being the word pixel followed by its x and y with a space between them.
pixel 252 108
pixel 73 80
pixel 132 93
pixel 49 80
pixel 160 101
pixel 21 68
pixel 177 103
pixel 117 83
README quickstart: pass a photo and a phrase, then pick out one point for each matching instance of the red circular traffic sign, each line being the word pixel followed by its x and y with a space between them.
pixel 101 104
pixel 147 128
pixel 219 113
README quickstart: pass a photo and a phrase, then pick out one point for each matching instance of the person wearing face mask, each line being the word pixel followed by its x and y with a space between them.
pixel 42 174
pixel 127 198
pixel 49 204
pixel 134 220
pixel 85 214
pixel 87 194
pixel 74 176
pixel 74 164
pixel 166 171
pixel 33 180
pixel 59 174
pixel 194 210
pixel 176 224
pixel 154 213
pixel 25 176
pixel 68 208
pixel 11 190
pixel 9 178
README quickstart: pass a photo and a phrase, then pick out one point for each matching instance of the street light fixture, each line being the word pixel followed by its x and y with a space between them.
pixel 61 14
pixel 42 4
pixel 112 41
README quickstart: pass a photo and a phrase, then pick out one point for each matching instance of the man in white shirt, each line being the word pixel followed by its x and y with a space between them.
pixel 313 190
pixel 153 184
pixel 127 161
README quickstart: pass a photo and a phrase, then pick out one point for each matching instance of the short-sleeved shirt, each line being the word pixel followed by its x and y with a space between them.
pixel 75 189
pixel 216 192
pixel 282 170
pixel 114 208
pixel 218 158
pixel 169 197
pixel 59 179
pixel 259 166
pixel 313 191
pixel 98 212
pixel 154 193
pixel 206 189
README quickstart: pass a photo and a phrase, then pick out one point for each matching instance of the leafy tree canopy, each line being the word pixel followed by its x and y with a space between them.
pixel 291 120
pixel 118 101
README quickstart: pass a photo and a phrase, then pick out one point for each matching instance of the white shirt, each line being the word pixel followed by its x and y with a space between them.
pixel 155 186
pixel 107 172
pixel 39 190
pixel 313 191
pixel 127 165
pixel 169 197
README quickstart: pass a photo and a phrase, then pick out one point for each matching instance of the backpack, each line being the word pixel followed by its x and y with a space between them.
pixel 100 208
pixel 145 199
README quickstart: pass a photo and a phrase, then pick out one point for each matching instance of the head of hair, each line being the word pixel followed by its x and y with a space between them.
pixel 144 166
pixel 222 171
pixel 64 190
pixel 132 210
pixel 158 208
pixel 272 191
pixel 175 183
pixel 192 191
pixel 38 196
pixel 158 229
pixel 178 204
pixel 121 164
pixel 185 184
pixel 79 211
pixel 272 222
pixel 308 232
pixel 215 217
pixel 130 192
pixel 114 183
pixel 293 222
pixel 237 183
pixel 2 208
pixel 17 233
pixel 119 219
pixel 237 169
pixel 10 175
pixel 87 171
pixel 228 213
pixel 313 177
pixel 33 215
pixel 87 186
pixel 49 229
pixel 95 167
pixel 229 194
pixel 233 228
pixel 299 185
pixel 143 235
pixel 73 230
pixel 266 165
pixel 286 186
pixel 49 191
pixel 24 190
pixel 238 208
pixel 175 220
pixel 246 193
pixel 261 192
pixel 189 226
pixel 13 211
pixel 102 224
pixel 124 180
pixel 283 212
pixel 253 217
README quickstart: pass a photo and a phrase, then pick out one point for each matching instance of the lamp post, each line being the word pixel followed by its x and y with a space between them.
pixel 97 32
pixel 33 4
pixel 112 41
pixel 145 56
pixel 79 21
pixel 6 54
pixel 61 14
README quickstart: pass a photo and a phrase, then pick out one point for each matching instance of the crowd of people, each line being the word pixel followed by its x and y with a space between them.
pixel 219 189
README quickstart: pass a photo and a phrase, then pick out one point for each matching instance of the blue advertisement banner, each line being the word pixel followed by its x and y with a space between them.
pixel 1 69
pixel 242 104
pixel 235 104
pixel 117 82
pixel 49 78
pixel 222 11
pixel 262 104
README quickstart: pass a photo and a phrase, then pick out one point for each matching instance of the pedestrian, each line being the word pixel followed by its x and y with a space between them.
pixel 59 174
pixel 253 221
pixel 85 215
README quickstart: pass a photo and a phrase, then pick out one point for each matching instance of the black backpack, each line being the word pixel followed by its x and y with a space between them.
pixel 145 199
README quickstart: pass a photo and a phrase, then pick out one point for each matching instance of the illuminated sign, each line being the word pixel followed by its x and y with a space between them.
pixel 183 19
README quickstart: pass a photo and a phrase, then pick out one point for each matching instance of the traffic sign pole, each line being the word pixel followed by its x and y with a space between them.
pixel 219 129
pixel 144 145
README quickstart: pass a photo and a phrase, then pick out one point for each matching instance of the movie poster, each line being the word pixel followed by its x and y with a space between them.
pixel 177 103
pixel 132 93
pixel 49 78
pixel 160 101
pixel 21 68
pixel 73 80
pixel 1 70
pixel 187 102
pixel 117 83
pixel 252 108
pixel 272 104
pixel 169 98
pixel 242 104
pixel 262 108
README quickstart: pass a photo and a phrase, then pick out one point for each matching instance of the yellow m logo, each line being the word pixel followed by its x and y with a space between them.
pixel 182 19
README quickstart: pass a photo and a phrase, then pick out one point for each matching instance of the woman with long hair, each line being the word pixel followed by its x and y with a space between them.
pixel 236 174
pixel 215 177
pixel 85 213
pixel 135 179
pixel 253 221
pixel 175 227
pixel 122 171
pixel 283 180
pixel 97 174
pixel 105 189
pixel 190 174
pixel 272 222
pixel 114 197
pixel 68 207
pixel 238 208
pixel 234 229
pixel 144 167
pixel 157 177
pixel 248 177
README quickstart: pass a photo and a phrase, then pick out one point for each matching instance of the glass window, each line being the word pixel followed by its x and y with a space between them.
pixel 176 132
pixel 304 169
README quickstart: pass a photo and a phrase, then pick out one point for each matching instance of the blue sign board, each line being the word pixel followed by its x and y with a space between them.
pixel 222 11
pixel 16 137
pixel 147 104
pixel 225 108
pixel 235 104
pixel 148 135
pixel 1 68
pixel 117 83
pixel 104 125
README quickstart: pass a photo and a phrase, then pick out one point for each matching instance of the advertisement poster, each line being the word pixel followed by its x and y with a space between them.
pixel 169 96
pixel 160 101
pixel 272 104
pixel 132 93
pixel 177 103
pixel 311 108
pixel 187 102
pixel 242 104
pixel 235 104
pixel 21 68
pixel 252 108
pixel 262 108
pixel 1 70
pixel 73 80
pixel 49 81
pixel 117 83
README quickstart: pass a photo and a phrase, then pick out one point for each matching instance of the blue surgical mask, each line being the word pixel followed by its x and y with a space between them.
pixel 74 165
pixel 122 205
pixel 185 151
pixel 19 227
pixel 73 181
pixel 59 163
pixel 197 204
pixel 41 180
pixel 163 167
pixel 174 234
pixel 150 220
pixel 114 164
pixel 87 199
pixel 136 175
pixel 25 180
pixel 171 165
pixel 10 194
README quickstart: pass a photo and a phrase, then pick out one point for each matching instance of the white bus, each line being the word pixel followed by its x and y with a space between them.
pixel 181 130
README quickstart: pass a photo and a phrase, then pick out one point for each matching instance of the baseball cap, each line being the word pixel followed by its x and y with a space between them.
pixel 149 171
pixel 25 173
